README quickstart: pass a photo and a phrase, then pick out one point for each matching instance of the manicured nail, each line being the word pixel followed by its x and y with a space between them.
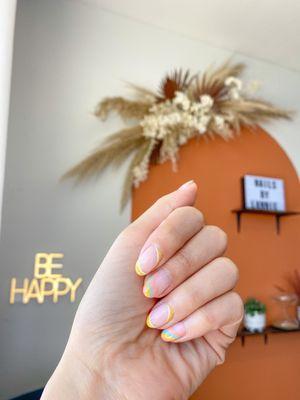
pixel 160 315
pixel 148 259
pixel 174 333
pixel 157 283
pixel 186 185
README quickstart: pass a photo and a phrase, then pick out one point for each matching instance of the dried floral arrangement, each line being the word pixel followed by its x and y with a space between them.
pixel 185 106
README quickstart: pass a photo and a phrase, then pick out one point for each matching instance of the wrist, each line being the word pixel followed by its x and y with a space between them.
pixel 72 379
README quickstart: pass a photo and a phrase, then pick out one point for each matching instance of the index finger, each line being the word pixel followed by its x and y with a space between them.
pixel 144 225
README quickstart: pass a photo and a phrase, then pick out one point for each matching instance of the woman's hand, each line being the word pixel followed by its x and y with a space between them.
pixel 165 268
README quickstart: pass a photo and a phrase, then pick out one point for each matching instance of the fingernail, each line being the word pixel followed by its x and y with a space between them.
pixel 157 283
pixel 174 333
pixel 186 185
pixel 148 260
pixel 160 315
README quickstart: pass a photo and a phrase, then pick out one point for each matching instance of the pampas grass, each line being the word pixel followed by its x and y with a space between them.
pixel 127 109
pixel 114 150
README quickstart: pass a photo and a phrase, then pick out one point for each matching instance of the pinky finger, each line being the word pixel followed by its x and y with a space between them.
pixel 224 313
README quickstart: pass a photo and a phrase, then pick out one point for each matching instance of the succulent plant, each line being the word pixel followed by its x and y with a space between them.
pixel 253 306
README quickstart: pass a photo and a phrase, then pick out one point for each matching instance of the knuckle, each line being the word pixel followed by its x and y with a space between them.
pixel 129 236
pixel 219 235
pixel 196 215
pixel 189 216
pixel 183 260
pixel 221 357
pixel 191 213
pixel 230 267
pixel 165 203
pixel 209 319
pixel 130 230
pixel 168 227
pixel 238 305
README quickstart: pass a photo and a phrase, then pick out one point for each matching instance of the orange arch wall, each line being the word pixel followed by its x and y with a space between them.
pixel 256 371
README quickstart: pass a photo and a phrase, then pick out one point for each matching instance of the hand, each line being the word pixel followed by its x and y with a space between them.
pixel 182 287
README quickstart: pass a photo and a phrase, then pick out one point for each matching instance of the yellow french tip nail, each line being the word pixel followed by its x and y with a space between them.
pixel 147 291
pixel 138 269
pixel 149 323
pixel 175 332
pixel 168 336
pixel 158 255
pixel 148 260
pixel 161 314
pixel 171 313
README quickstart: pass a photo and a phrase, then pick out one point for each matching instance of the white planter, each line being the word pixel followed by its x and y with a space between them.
pixel 255 323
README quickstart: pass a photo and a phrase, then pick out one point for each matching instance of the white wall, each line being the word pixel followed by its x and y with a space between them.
pixel 7 20
pixel 67 57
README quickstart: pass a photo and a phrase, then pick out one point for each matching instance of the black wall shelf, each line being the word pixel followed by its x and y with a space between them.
pixel 277 215
pixel 243 333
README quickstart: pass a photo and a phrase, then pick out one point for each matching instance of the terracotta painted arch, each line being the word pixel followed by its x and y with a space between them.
pixel 257 371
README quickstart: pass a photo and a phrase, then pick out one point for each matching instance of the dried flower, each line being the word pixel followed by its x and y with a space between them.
pixel 206 101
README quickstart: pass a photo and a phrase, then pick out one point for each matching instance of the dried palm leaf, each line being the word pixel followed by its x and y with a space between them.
pixel 173 82
pixel 212 82
pixel 293 279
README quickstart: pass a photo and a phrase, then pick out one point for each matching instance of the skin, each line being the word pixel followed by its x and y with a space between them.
pixel 111 352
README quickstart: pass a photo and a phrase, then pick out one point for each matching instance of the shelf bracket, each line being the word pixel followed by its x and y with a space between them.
pixel 278 215
pixel 278 224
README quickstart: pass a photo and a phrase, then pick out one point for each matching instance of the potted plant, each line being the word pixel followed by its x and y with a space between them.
pixel 255 315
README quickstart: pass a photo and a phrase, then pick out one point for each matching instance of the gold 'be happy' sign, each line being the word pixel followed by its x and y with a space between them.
pixel 46 283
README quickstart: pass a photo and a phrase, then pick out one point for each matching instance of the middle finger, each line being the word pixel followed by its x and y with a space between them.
pixel 206 245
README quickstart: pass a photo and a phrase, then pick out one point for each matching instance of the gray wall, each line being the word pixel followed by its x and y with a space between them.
pixel 53 91
pixel 67 56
